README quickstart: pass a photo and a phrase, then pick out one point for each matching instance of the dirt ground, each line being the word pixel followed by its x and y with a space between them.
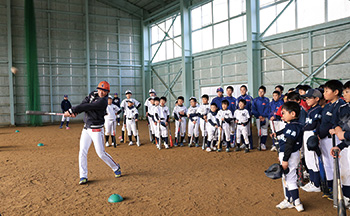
pixel 179 181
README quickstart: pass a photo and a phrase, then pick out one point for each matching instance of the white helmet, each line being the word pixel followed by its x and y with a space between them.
pixel 128 92
pixel 151 91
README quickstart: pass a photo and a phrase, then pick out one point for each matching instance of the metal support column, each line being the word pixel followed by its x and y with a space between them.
pixel 9 54
pixel 253 46
pixel 87 39
pixel 50 56
pixel 187 73
pixel 146 70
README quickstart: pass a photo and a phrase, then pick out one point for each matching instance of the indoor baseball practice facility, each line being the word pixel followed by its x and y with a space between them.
pixel 175 107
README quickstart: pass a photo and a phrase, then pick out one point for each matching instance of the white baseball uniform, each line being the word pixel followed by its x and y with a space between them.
pixel 110 119
pixel 130 115
pixel 176 113
pixel 124 105
pixel 164 117
pixel 193 129
pixel 203 110
pixel 212 122
pixel 242 116
pixel 226 124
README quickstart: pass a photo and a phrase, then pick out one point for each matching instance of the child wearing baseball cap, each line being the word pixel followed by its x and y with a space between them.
pixel 65 106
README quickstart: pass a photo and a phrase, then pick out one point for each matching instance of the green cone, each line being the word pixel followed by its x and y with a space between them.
pixel 17 131
pixel 114 198
pixel 40 144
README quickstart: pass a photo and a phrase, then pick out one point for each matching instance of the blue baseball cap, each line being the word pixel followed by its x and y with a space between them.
pixel 115 93
pixel 220 90
pixel 65 95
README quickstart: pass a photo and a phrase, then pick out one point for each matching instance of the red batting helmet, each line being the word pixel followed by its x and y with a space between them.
pixel 104 85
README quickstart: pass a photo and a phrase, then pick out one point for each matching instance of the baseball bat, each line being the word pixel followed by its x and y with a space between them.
pixel 178 134
pixel 204 128
pixel 170 137
pixel 340 197
pixel 219 139
pixel 324 185
pixel 43 113
pixel 160 134
pixel 234 135
pixel 137 129
pixel 125 135
pixel 212 141
pixel 149 130
pixel 335 183
pixel 274 137
pixel 189 144
pixel 259 136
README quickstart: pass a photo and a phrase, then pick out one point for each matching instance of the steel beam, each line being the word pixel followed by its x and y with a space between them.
pixel 145 57
pixel 331 58
pixel 9 53
pixel 187 73
pixel 170 7
pixel 87 41
pixel 253 46
pixel 50 56
pixel 162 81
pixel 274 20
pixel 124 6
pixel 178 74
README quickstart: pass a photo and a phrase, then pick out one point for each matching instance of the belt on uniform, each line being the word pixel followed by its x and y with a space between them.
pixel 162 118
pixel 130 119
pixel 243 123
pixel 93 126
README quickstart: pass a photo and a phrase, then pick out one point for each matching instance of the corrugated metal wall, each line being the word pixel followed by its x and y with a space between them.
pixel 115 40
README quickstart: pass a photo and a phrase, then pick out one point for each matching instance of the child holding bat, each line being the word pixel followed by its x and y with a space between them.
pixel 212 127
pixel 289 155
pixel 342 131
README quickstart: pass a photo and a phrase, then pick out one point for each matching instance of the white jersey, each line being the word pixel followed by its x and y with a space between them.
pixel 242 116
pixel 226 114
pixel 178 109
pixel 155 110
pixel 212 118
pixel 124 104
pixel 131 112
pixel 148 104
pixel 111 112
pixel 203 109
pixel 192 112
pixel 164 112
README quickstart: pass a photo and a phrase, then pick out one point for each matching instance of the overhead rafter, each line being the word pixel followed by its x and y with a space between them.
pixel 125 6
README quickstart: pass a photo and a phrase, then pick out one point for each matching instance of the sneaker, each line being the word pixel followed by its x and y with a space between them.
pixel 122 140
pixel 107 144
pixel 114 144
pixel 306 187
pixel 118 124
pixel 214 148
pixel 242 146
pixel 246 150
pixel 284 204
pixel 197 145
pixel 237 149
pixel 203 147
pixel 299 207
pixel 219 150
pixel 159 147
pixel 306 175
pixel 227 149
pixel 138 143
pixel 181 144
pixel 346 202
pixel 60 127
pixel 208 149
pixel 166 145
pixel 131 143
pixel 118 173
pixel 189 145
pixel 273 149
pixel 263 147
pixel 83 181
pixel 175 145
pixel 312 188
pixel 67 128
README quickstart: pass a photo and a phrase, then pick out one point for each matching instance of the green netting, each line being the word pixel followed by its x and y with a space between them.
pixel 33 89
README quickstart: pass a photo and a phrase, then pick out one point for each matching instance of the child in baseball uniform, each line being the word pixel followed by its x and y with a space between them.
pixel 212 127
pixel 155 113
pixel 225 118
pixel 65 105
pixel 180 113
pixel 116 101
pixel 232 107
pixel 94 106
pixel 275 120
pixel 193 122
pixel 289 155
pixel 164 121
pixel 261 110
pixel 332 91
pixel 313 119
pixel 148 105
pixel 124 105
pixel 242 119
pixel 342 131
pixel 131 114
pixel 110 123
pixel 203 111
pixel 249 100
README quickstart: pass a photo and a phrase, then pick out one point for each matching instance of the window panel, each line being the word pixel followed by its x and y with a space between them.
pixel 220 10
pixel 154 32
pixel 197 41
pixel 161 53
pixel 221 34
pixel 154 49
pixel 286 21
pixel 238 30
pixel 169 49
pixel 196 18
pixel 310 12
pixel 266 17
pixel 167 26
pixel 338 9
pixel 177 47
pixel 177 26
pixel 206 14
pixel 237 7
pixel 207 38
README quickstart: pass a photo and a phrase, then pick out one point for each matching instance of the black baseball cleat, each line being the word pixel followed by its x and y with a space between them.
pixel 237 149
pixel 246 150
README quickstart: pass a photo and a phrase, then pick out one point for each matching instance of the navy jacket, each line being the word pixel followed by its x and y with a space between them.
pixel 292 139
pixel 344 123
pixel 261 107
pixel 65 105
pixel 313 118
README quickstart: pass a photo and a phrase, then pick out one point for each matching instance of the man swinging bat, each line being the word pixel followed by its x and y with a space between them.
pixel 94 106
